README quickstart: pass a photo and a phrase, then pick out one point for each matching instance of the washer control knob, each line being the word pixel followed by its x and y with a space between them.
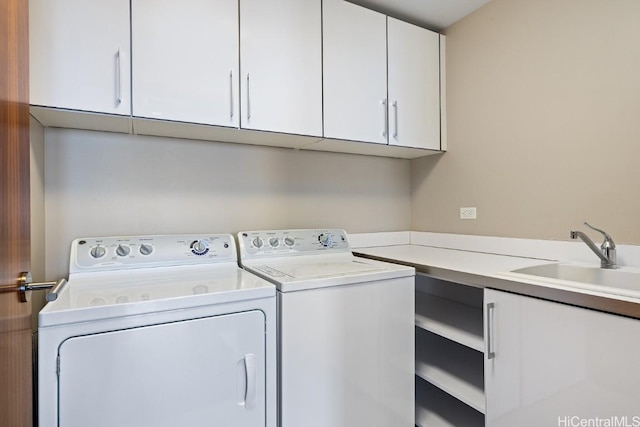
pixel 289 241
pixel 146 249
pixel 274 242
pixel 325 240
pixel 199 247
pixel 123 250
pixel 98 251
pixel 257 242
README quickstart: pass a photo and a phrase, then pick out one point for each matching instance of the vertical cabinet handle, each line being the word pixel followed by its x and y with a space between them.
pixel 489 313
pixel 118 79
pixel 395 119
pixel 386 118
pixel 248 99
pixel 231 108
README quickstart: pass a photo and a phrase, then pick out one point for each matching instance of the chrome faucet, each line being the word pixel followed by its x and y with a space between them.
pixel 606 252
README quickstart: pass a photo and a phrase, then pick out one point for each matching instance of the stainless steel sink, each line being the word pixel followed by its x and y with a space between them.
pixel 620 281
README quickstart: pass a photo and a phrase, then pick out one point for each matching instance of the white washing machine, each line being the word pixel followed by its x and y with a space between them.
pixel 345 328
pixel 158 331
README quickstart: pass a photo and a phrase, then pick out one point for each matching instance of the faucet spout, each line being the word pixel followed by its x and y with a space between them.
pixel 606 252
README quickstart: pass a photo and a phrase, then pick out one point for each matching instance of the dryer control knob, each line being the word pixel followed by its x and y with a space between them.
pixel 257 242
pixel 325 240
pixel 123 250
pixel 146 249
pixel 199 247
pixel 289 241
pixel 98 251
pixel 274 242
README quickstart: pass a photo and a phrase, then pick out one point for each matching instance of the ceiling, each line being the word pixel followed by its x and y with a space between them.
pixel 433 14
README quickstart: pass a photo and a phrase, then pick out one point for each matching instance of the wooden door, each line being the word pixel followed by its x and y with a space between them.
pixel 15 317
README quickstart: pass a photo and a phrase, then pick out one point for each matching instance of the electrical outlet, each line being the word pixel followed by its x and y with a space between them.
pixel 467 213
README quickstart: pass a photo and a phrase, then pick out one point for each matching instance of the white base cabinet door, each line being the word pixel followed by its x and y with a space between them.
pixel 79 55
pixel 559 365
pixel 414 86
pixel 185 61
pixel 281 66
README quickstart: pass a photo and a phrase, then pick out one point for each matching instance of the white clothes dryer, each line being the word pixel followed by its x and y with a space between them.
pixel 346 329
pixel 158 331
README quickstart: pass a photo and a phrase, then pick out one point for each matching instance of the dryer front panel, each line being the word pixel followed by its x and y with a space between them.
pixel 196 373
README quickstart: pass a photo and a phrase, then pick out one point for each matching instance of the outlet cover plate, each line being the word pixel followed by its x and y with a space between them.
pixel 467 213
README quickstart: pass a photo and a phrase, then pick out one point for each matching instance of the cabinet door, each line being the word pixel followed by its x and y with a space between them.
pixel 185 61
pixel 79 55
pixel 281 66
pixel 556 364
pixel 197 373
pixel 414 86
pixel 355 72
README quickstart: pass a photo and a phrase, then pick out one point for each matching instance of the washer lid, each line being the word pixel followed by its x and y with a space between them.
pixel 300 274
pixel 93 296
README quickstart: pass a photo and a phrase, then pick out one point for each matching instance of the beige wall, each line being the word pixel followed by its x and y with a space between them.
pixel 104 184
pixel 36 167
pixel 543 122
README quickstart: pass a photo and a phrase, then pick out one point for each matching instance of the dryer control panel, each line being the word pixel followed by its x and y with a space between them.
pixel 267 243
pixel 125 252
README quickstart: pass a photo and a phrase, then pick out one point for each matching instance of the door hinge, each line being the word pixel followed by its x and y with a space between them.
pixel 58 366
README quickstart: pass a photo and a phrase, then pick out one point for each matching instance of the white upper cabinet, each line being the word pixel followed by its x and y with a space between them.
pixel 281 66
pixel 414 86
pixel 79 55
pixel 381 78
pixel 185 61
pixel 355 72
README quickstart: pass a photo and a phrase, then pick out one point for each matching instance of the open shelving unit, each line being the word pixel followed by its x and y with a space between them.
pixel 454 369
pixel 449 354
pixel 452 320
pixel 437 409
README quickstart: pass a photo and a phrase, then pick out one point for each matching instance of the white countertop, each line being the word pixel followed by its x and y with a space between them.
pixel 453 259
pixel 484 270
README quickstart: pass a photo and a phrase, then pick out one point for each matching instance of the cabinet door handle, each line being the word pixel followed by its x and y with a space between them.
pixel 248 99
pixel 231 107
pixel 395 119
pixel 489 313
pixel 118 79
pixel 386 118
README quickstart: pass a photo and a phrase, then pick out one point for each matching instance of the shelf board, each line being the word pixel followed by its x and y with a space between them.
pixel 455 369
pixel 434 408
pixel 455 321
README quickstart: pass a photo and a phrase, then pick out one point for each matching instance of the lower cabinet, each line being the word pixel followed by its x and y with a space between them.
pixel 559 365
pixel 486 357
pixel 449 354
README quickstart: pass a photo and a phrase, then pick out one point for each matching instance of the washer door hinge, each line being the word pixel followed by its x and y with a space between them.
pixel 58 366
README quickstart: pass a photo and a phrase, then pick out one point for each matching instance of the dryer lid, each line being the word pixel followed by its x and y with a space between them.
pixel 99 295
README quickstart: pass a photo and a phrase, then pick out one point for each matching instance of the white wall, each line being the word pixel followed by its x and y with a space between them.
pixel 101 184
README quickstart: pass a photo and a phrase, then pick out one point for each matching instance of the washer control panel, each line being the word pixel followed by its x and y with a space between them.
pixel 106 253
pixel 283 242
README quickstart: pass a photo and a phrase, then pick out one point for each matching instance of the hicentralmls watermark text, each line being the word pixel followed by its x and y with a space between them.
pixel 576 421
